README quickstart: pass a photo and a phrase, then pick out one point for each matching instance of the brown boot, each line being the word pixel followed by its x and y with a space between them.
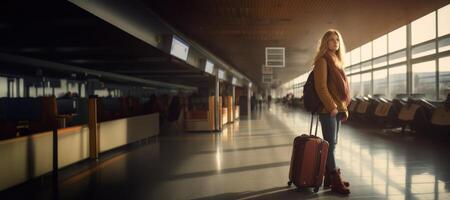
pixel 336 183
pixel 327 180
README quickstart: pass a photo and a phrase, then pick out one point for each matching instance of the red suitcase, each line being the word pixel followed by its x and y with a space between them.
pixel 309 156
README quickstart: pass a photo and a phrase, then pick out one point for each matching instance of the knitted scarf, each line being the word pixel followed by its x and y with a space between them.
pixel 337 77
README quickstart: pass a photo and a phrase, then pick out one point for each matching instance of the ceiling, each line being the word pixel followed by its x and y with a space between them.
pixel 239 30
pixel 61 32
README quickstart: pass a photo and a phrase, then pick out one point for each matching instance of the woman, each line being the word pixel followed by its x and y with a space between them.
pixel 332 88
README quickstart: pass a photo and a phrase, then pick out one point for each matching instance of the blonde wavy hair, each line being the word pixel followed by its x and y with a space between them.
pixel 323 47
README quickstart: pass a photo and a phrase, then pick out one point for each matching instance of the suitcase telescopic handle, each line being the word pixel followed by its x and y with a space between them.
pixel 311 126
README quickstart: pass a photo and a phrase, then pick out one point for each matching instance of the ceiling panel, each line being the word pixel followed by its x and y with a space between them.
pixel 239 30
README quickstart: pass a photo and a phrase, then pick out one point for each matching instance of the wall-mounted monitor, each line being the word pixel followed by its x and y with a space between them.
pixel 221 74
pixel 179 49
pixel 209 67
pixel 275 57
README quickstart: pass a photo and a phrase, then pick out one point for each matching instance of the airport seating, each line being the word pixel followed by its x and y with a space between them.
pixel 297 102
pixel 440 120
pixel 370 116
pixel 386 114
pixel 352 108
pixel 416 114
pixel 421 122
pixel 361 113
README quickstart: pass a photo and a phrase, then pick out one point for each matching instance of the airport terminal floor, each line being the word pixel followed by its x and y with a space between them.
pixel 250 160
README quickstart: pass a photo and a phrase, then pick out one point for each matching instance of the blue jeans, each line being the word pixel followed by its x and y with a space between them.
pixel 330 128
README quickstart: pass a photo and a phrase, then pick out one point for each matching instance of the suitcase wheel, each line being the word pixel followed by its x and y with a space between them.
pixel 316 189
pixel 289 183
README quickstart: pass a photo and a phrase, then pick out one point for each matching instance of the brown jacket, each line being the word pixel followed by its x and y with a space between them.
pixel 327 92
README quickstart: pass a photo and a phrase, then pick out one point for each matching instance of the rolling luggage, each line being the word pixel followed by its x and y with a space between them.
pixel 308 160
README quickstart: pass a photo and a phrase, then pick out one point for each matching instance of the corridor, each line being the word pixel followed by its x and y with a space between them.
pixel 250 160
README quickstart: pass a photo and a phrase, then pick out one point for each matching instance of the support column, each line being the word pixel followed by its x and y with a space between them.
pixel 55 139
pixel 216 104
pixel 409 80
pixel 249 108
pixel 79 89
pixel 233 93
pixel 233 97
pixel 89 89
pixel 94 143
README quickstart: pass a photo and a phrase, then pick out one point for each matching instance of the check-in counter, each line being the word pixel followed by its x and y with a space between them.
pixel 116 133
pixel 200 120
pixel 27 157
pixel 224 116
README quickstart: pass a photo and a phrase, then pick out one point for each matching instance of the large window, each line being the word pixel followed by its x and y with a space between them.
pixel 46 90
pixel 444 44
pixel 347 70
pixel 423 50
pixel 3 87
pixel 32 91
pixel 356 56
pixel 60 91
pixel 444 77
pixel 424 79
pixel 21 87
pixel 366 66
pixel 444 21
pixel 397 39
pixel 72 87
pixel 366 80
pixel 347 61
pixel 397 81
pixel 355 85
pixel 380 82
pixel 101 92
pixel 397 57
pixel 12 88
pixel 380 46
pixel 356 68
pixel 423 29
pixel 366 52
pixel 444 28
pixel 380 62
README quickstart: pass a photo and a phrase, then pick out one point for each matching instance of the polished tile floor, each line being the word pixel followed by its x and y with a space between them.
pixel 250 160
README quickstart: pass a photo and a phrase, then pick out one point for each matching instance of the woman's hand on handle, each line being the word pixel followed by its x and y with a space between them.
pixel 344 117
pixel 334 112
